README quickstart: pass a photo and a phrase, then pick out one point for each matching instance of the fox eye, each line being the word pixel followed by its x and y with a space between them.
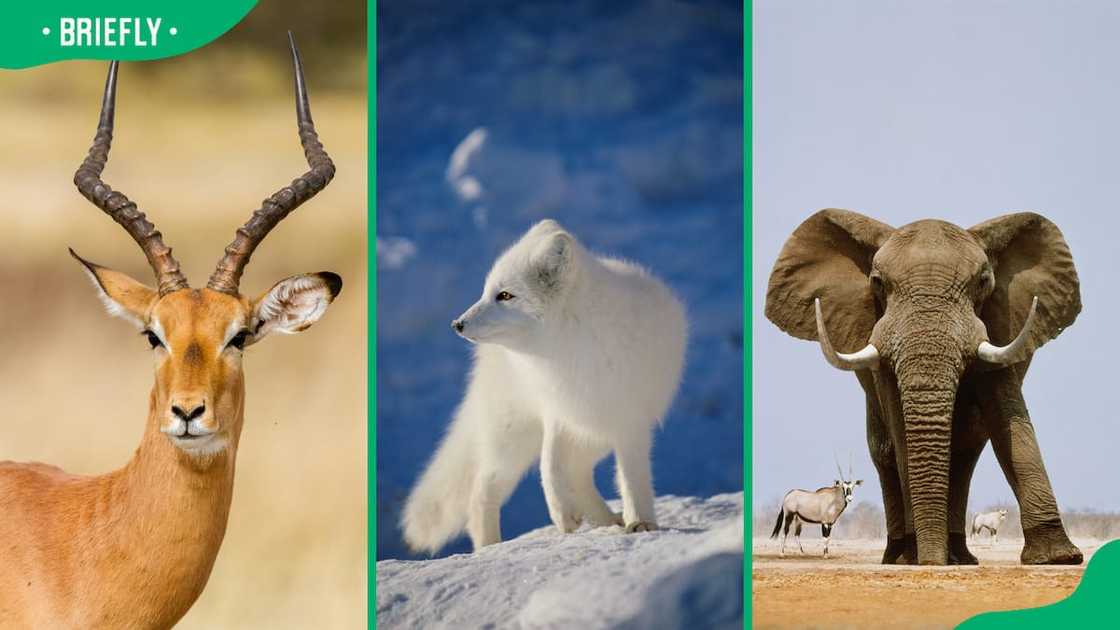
pixel 153 339
pixel 239 339
pixel 504 296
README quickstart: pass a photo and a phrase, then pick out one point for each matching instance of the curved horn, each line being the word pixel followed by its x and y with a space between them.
pixel 118 206
pixel 1013 352
pixel 866 359
pixel 227 275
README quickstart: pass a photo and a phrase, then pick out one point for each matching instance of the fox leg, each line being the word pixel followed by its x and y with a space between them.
pixel 579 459
pixel 554 479
pixel 635 482
pixel 504 459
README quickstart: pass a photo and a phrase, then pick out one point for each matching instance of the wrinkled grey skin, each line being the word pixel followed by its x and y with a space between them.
pixel 926 295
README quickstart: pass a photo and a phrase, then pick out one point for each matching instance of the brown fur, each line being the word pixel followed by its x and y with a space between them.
pixel 132 548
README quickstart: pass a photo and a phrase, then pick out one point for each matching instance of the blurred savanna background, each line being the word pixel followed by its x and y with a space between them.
pixel 200 140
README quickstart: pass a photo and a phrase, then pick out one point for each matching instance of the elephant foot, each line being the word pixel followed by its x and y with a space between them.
pixel 958 550
pixel 911 554
pixel 896 547
pixel 1049 544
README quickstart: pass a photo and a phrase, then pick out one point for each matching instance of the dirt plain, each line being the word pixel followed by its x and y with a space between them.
pixel 851 589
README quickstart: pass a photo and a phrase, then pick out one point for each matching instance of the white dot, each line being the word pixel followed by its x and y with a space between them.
pixel 174 31
pixel 46 30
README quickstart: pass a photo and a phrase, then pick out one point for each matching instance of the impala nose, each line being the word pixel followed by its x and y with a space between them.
pixel 458 325
pixel 186 412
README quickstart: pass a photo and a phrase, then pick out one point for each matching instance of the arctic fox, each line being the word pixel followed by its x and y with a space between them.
pixel 576 356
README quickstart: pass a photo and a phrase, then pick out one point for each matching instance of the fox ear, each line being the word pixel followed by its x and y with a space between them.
pixel 553 260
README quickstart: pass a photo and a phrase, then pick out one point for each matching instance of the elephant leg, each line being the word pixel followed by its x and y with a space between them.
pixel 968 441
pixel 961 465
pixel 888 446
pixel 1005 415
pixel 881 447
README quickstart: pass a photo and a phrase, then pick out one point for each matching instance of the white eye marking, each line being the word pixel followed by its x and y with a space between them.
pixel 234 327
pixel 157 330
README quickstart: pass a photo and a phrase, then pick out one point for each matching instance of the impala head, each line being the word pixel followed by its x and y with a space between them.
pixel 197 336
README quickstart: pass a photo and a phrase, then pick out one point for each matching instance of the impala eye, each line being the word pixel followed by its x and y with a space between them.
pixel 153 339
pixel 504 296
pixel 239 339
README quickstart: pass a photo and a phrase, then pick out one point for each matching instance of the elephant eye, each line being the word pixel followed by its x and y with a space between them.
pixel 877 285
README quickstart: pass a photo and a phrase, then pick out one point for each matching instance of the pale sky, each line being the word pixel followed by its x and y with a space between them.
pixel 960 111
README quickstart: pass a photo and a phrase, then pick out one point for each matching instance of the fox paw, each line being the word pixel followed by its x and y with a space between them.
pixel 641 526
pixel 566 522
pixel 604 519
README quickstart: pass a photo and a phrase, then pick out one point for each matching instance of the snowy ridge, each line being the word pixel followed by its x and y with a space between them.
pixel 687 575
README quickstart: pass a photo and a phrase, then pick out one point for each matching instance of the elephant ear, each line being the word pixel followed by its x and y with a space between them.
pixel 1030 258
pixel 828 256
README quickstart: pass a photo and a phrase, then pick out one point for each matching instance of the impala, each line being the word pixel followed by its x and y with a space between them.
pixel 134 548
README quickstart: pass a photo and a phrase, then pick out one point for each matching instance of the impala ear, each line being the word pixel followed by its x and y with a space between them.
pixel 123 297
pixel 293 304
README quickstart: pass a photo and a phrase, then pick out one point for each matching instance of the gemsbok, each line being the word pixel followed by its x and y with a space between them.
pixel 989 521
pixel 134 548
pixel 823 506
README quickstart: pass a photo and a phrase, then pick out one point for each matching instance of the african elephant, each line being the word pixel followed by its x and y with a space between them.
pixel 921 310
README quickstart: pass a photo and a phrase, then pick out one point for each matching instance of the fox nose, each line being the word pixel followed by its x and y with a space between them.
pixel 458 325
pixel 186 413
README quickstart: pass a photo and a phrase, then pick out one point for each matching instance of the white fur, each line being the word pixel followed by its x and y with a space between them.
pixel 584 360
pixel 291 306
pixel 111 305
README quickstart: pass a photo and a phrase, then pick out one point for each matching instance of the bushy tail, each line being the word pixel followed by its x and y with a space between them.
pixel 436 510
pixel 778 525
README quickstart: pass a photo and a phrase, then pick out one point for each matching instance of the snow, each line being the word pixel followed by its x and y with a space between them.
pixel 689 574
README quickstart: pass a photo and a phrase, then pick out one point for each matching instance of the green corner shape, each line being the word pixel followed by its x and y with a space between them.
pixel 1092 603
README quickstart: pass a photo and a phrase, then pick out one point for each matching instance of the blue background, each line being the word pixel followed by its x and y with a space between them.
pixel 623 121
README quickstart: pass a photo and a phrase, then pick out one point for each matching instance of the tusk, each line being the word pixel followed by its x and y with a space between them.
pixel 1013 352
pixel 866 359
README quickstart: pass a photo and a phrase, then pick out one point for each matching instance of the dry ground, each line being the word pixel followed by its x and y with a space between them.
pixel 852 590
pixel 74 383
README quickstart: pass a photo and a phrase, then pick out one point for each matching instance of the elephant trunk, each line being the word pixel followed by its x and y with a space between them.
pixel 930 367
pixel 928 418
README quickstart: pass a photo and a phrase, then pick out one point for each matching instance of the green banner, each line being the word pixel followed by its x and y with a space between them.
pixel 1092 605
pixel 34 33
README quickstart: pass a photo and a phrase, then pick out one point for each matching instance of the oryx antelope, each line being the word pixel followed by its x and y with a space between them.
pixel 990 521
pixel 823 507
pixel 134 548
